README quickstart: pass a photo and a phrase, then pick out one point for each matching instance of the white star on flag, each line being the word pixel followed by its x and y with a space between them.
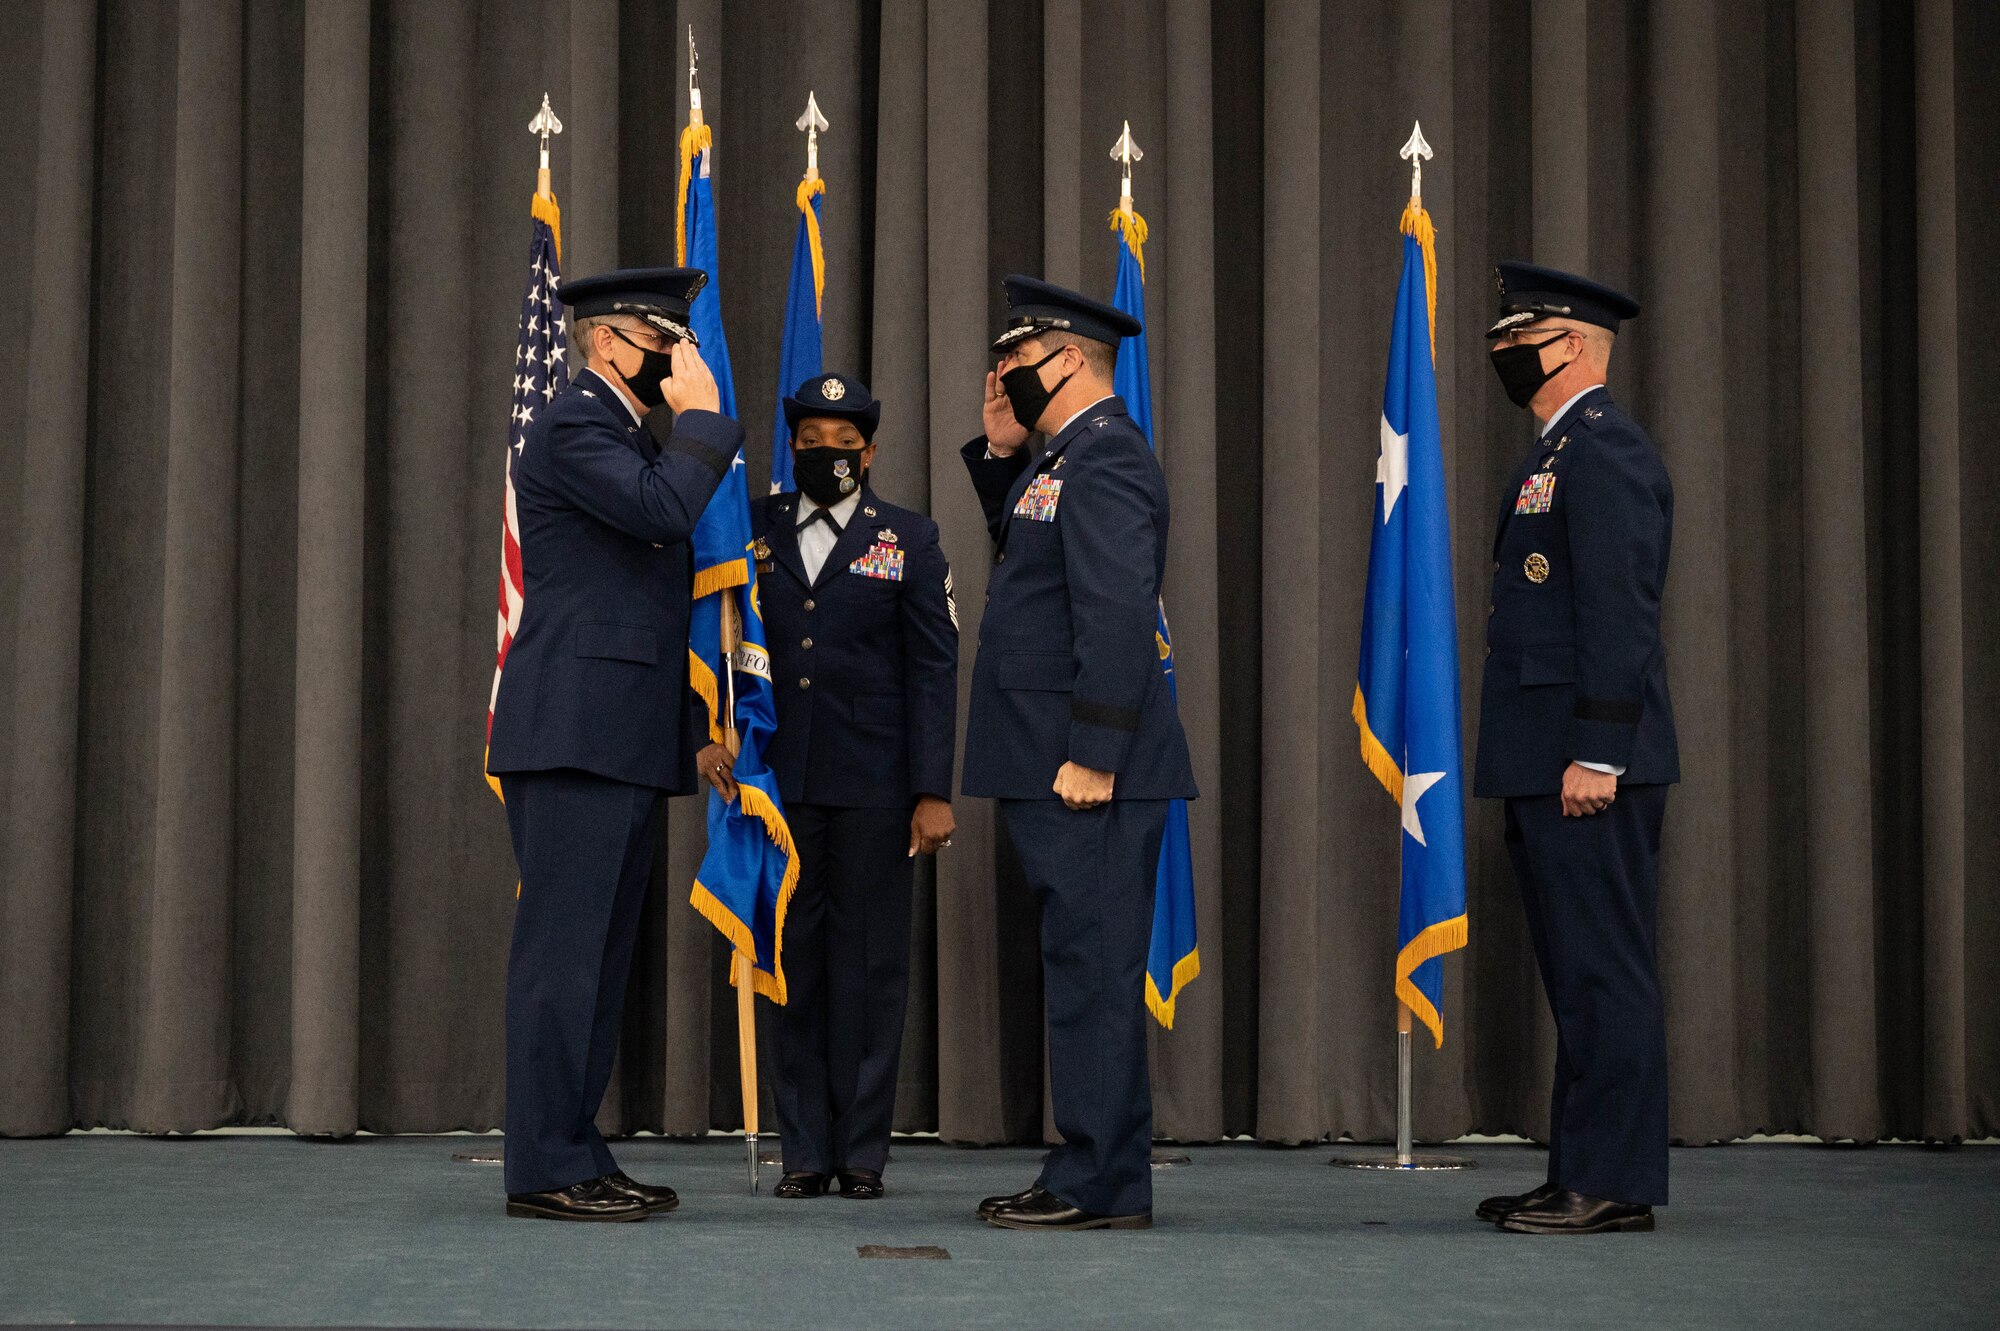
pixel 1414 786
pixel 1392 471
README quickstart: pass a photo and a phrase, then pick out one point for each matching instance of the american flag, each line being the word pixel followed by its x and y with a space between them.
pixel 540 372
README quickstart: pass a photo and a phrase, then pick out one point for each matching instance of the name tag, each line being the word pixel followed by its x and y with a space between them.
pixel 881 561
pixel 1537 494
pixel 1038 501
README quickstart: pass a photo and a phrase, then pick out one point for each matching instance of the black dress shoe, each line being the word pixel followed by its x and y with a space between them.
pixel 593 1199
pixel 1495 1207
pixel 801 1183
pixel 863 1185
pixel 1049 1211
pixel 657 1201
pixel 992 1204
pixel 1573 1213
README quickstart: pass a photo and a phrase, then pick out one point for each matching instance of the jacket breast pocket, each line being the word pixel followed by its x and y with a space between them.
pixel 618 642
pixel 1051 672
pixel 1548 663
pixel 879 709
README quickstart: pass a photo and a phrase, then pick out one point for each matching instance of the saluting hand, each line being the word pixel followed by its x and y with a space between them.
pixel 690 387
pixel 1586 791
pixel 931 826
pixel 1083 787
pixel 1004 434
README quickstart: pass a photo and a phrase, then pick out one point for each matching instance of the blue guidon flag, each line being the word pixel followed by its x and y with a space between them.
pixel 751 866
pixel 1173 959
pixel 1406 698
pixel 800 353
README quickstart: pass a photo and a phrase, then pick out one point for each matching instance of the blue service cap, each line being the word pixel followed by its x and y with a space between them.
pixel 1038 307
pixel 838 395
pixel 1529 291
pixel 660 296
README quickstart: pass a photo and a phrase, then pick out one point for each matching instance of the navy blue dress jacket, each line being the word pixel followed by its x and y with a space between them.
pixel 1069 664
pixel 1575 669
pixel 596 678
pixel 864 658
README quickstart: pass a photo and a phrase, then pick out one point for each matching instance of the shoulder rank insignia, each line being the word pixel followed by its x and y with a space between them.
pixel 1038 502
pixel 1538 494
pixel 587 393
pixel 1536 566
pixel 1593 413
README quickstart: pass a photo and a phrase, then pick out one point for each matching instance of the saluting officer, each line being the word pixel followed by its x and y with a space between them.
pixel 1074 731
pixel 1576 733
pixel 863 636
pixel 593 721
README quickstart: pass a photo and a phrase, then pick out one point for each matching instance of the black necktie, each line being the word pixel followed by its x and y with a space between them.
pixel 821 515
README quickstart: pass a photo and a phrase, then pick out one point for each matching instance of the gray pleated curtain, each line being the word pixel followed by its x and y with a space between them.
pixel 269 259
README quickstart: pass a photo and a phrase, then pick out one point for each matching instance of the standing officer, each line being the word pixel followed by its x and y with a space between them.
pixel 863 637
pixel 1074 732
pixel 1576 733
pixel 594 718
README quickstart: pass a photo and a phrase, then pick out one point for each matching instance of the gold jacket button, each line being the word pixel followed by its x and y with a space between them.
pixel 809 603
pixel 1000 558
pixel 805 683
pixel 807 644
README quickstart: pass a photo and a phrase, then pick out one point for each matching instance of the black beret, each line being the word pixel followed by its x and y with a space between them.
pixel 1529 291
pixel 838 395
pixel 1035 307
pixel 660 296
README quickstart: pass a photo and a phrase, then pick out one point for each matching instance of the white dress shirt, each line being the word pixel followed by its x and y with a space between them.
pixel 816 542
pixel 1547 425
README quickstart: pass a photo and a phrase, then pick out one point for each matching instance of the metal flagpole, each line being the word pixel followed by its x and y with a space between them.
pixel 543 125
pixel 1405 1156
pixel 1125 151
pixel 744 964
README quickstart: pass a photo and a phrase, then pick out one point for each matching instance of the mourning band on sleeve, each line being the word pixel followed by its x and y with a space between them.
pixel 1617 711
pixel 1097 714
pixel 700 452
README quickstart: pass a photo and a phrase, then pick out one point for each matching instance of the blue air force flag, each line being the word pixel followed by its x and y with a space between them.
pixel 751 865
pixel 1173 959
pixel 1406 698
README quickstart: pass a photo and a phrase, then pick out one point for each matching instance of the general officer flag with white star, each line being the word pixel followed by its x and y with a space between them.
pixel 1406 697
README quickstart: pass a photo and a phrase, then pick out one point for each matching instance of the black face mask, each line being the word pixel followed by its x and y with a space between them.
pixel 1026 393
pixel 827 475
pixel 1520 369
pixel 653 367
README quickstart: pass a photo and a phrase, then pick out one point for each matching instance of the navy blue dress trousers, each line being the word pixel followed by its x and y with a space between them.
pixel 865 658
pixel 1575 672
pixel 593 721
pixel 1069 671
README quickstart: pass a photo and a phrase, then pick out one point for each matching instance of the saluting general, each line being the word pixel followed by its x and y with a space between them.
pixel 858 616
pixel 594 720
pixel 1576 734
pixel 1074 731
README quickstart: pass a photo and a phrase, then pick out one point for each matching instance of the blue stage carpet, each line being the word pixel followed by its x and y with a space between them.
pixel 276 1231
